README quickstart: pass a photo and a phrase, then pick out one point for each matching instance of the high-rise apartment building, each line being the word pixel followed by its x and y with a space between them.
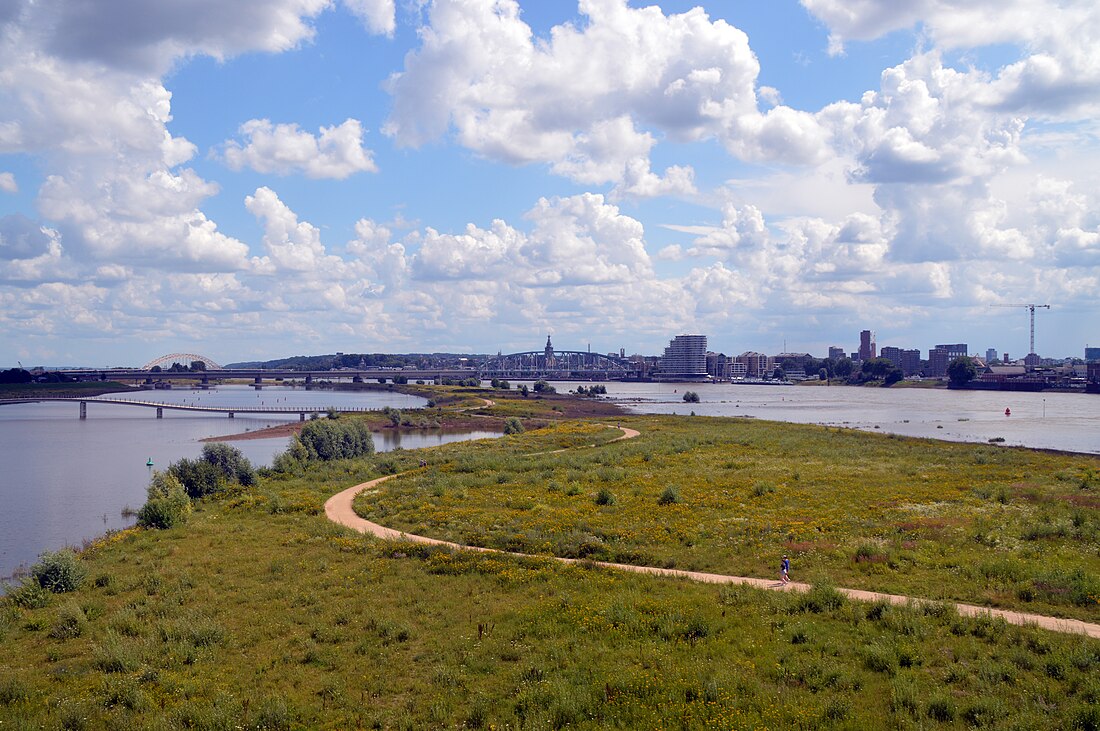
pixel 990 354
pixel 892 354
pixel 685 358
pixel 940 356
pixel 910 361
pixel 1092 355
pixel 866 345
pixel 836 352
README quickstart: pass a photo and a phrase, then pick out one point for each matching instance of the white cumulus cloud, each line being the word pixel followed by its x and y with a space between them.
pixel 335 152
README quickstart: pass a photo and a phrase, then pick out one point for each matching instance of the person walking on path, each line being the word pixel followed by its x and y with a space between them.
pixel 784 570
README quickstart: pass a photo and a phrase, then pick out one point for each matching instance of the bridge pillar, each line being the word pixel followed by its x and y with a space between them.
pixel 301 416
pixel 83 409
pixel 357 378
pixel 160 412
pixel 258 383
pixel 309 378
pixel 230 414
pixel 149 380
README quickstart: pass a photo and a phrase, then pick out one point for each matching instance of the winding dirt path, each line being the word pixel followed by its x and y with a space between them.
pixel 338 509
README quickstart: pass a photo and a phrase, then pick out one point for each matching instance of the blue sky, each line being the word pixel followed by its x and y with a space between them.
pixel 303 176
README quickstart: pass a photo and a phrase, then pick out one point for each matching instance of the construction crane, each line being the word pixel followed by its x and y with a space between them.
pixel 1032 308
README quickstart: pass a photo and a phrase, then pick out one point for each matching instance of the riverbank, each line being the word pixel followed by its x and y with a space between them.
pixel 74 389
pixel 260 613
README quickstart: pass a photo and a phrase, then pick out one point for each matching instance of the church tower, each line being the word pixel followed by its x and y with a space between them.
pixel 548 351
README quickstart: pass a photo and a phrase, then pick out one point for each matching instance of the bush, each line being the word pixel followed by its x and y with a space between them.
pixel 219 466
pixel 513 426
pixel 605 497
pixel 691 397
pixel 58 571
pixel 327 440
pixel 166 505
pixel 670 496
pixel 71 622
pixel 542 386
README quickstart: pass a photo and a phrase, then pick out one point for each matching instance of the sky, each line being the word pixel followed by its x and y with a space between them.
pixel 265 178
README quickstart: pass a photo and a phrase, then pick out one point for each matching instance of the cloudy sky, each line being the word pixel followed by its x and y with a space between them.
pixel 265 178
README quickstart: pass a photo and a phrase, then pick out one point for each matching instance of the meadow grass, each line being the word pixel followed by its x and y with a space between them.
pixel 244 619
pixel 259 613
pixel 1001 527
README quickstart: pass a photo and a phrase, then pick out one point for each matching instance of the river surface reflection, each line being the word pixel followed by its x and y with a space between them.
pixel 66 479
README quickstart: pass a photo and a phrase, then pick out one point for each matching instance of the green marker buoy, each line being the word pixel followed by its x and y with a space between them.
pixel 149 462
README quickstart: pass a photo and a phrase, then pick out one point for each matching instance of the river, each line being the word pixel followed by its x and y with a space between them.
pixel 1064 421
pixel 66 480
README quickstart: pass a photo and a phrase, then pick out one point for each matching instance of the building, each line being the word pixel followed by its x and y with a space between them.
pixel 718 366
pixel 910 361
pixel 1092 355
pixel 836 352
pixel 756 364
pixel 685 358
pixel 866 345
pixel 1031 360
pixel 990 355
pixel 940 356
pixel 892 354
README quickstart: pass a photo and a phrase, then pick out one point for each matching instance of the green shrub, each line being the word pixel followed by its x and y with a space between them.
pixel 940 708
pixel 58 571
pixel 329 440
pixel 166 505
pixel 13 690
pixel 605 497
pixel 513 426
pixel 71 622
pixel 690 397
pixel 220 466
pixel 29 595
pixel 670 496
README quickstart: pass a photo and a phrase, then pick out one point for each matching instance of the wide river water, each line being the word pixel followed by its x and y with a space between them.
pixel 65 480
pixel 1064 421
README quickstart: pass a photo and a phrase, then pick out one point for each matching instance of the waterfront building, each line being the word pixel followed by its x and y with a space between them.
pixel 738 369
pixel 891 354
pixel 940 356
pixel 910 361
pixel 718 366
pixel 685 358
pixel 1092 355
pixel 756 364
pixel 866 345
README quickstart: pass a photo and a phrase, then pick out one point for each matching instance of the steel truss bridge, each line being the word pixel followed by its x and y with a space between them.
pixel 560 365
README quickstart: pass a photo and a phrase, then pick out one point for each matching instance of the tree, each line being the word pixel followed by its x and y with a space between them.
pixel 691 397
pixel 513 426
pixel 843 367
pixel 961 371
pixel 198 365
pixel 541 386
pixel 524 390
pixel 15 375
pixel 778 374
pixel 823 374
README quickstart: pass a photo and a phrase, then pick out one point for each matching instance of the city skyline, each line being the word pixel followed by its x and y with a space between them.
pixel 262 179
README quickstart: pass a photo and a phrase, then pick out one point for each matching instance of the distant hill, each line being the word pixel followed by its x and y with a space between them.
pixel 364 360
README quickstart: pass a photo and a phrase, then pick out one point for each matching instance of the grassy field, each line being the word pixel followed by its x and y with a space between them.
pixel 259 613
pixel 1003 527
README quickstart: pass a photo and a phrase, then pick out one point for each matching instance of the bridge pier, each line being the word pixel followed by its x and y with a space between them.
pixel 301 416
pixel 230 414
pixel 83 409
pixel 160 413
pixel 258 383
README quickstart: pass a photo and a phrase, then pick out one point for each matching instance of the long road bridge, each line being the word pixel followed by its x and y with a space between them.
pixel 160 406
pixel 259 375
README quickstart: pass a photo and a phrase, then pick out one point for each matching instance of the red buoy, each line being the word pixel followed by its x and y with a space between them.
pixel 1008 412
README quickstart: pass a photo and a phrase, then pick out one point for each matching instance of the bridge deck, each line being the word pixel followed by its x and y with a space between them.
pixel 189 407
